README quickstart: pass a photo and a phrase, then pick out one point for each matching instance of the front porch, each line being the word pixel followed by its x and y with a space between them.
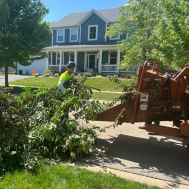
pixel 91 60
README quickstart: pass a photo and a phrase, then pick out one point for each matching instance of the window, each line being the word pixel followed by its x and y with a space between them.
pixel 113 57
pixel 115 37
pixel 92 32
pixel 58 58
pixel 73 35
pixel 72 57
pixel 128 35
pixel 60 35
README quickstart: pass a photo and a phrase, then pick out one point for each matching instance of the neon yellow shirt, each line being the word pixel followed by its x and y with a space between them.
pixel 65 77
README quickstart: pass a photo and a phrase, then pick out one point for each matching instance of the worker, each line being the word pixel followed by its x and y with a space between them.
pixel 66 76
pixel 144 127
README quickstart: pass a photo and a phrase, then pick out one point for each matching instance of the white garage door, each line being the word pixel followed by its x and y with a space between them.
pixel 39 66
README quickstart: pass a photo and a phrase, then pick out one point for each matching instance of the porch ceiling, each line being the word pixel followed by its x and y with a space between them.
pixel 79 47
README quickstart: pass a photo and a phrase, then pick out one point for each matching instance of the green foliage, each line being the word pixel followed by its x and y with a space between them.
pixel 115 75
pixel 138 20
pixel 128 76
pixel 104 74
pixel 23 33
pixel 47 75
pixel 88 74
pixel 36 75
pixel 79 75
pixel 171 34
pixel 56 75
pixel 158 32
pixel 98 76
pixel 134 77
pixel 37 124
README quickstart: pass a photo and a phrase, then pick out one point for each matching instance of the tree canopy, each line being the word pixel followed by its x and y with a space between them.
pixel 23 32
pixel 158 32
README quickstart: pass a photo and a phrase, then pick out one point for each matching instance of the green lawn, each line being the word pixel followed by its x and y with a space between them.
pixel 96 95
pixel 61 176
pixel 1 74
pixel 104 96
pixel 100 83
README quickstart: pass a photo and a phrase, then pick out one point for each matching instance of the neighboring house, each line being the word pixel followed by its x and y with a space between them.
pixel 80 37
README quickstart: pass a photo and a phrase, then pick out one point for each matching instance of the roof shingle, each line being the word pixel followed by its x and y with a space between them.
pixel 73 19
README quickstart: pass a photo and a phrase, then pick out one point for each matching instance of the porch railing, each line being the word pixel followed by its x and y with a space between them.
pixel 109 68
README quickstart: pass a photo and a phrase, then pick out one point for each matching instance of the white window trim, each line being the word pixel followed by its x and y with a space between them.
pixel 63 36
pixel 70 54
pixel 77 35
pixel 89 32
pixel 109 58
pixel 115 38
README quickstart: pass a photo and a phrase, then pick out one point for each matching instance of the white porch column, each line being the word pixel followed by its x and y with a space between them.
pixel 118 60
pixel 85 61
pixel 60 61
pixel 51 58
pixel 100 62
pixel 47 61
pixel 75 58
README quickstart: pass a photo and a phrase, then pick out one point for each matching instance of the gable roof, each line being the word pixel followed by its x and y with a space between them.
pixel 74 19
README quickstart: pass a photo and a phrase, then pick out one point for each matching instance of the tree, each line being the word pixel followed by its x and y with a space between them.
pixel 138 18
pixel 172 34
pixel 23 32
pixel 159 32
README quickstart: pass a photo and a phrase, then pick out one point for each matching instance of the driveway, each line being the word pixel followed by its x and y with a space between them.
pixel 129 149
pixel 12 78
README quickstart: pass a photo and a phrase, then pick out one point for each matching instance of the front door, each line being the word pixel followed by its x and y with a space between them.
pixel 91 62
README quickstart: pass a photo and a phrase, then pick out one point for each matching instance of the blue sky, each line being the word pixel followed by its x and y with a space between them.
pixel 60 8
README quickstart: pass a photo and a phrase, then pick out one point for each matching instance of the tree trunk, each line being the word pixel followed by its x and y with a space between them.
pixel 6 75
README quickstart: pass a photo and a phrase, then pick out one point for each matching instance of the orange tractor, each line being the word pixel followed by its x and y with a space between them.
pixel 165 98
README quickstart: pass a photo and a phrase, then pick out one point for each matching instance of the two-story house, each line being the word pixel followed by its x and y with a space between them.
pixel 80 37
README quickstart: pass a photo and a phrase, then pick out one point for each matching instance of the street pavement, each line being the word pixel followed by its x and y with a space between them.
pixel 129 149
pixel 13 78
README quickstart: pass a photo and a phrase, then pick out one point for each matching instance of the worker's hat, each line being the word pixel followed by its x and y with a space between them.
pixel 71 64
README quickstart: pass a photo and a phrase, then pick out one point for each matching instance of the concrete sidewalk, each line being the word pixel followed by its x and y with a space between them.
pixel 13 78
pixel 131 150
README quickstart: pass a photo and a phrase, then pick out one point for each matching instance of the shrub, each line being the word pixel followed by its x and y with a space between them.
pixel 47 71
pixel 36 75
pixel 79 75
pixel 128 76
pixel 104 74
pixel 36 124
pixel 134 77
pixel 115 75
pixel 87 74
pixel 47 75
pixel 56 75
pixel 98 76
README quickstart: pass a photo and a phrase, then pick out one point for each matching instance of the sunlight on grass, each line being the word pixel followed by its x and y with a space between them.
pixel 100 83
pixel 61 176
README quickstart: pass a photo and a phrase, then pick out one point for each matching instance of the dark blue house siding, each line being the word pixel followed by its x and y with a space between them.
pixel 80 60
pixel 105 57
pixel 93 20
pixel 67 38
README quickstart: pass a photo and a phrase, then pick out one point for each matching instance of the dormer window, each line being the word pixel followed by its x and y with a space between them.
pixel 74 35
pixel 115 37
pixel 60 36
pixel 92 32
